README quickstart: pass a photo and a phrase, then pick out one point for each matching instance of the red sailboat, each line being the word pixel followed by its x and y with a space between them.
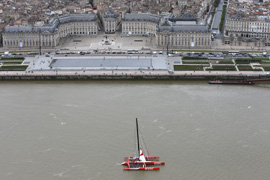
pixel 141 162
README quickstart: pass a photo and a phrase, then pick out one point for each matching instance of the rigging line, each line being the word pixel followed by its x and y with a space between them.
pixel 144 144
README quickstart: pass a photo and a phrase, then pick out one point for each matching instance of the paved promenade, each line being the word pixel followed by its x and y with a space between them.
pixel 116 67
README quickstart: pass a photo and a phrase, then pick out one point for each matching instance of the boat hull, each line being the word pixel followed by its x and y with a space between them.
pixel 142 169
pixel 232 82
pixel 146 163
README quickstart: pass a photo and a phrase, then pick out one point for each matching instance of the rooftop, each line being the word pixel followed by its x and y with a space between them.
pixel 142 17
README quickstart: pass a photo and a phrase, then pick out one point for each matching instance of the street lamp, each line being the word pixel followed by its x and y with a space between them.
pixel 167 41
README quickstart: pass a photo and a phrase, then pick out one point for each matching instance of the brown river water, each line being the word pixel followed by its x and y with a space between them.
pixel 82 130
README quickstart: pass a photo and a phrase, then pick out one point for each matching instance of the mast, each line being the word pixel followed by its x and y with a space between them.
pixel 138 137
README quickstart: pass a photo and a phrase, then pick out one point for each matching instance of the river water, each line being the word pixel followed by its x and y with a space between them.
pixel 82 130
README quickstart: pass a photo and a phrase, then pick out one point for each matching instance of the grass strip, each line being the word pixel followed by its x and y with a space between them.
pixel 245 68
pixel 13 68
pixel 194 62
pixel 265 62
pixel 198 50
pixel 16 62
pixel 223 68
pixel 12 58
pixel 266 68
pixel 225 62
pixel 247 61
pixel 188 68
pixel 193 58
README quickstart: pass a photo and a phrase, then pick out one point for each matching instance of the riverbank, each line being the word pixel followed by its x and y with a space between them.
pixel 130 75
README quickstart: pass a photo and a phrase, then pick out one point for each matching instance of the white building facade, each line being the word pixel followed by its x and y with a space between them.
pixel 50 34
pixel 140 24
pixel 111 22
pixel 247 28
pixel 181 35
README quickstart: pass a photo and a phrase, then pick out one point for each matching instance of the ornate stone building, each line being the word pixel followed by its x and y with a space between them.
pixel 111 22
pixel 248 21
pixel 140 24
pixel 49 35
pixel 248 28
pixel 183 32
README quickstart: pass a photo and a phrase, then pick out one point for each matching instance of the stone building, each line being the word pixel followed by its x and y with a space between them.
pixel 182 2
pixel 110 22
pixel 1 42
pixel 48 35
pixel 248 28
pixel 140 24
pixel 183 33
pixel 248 21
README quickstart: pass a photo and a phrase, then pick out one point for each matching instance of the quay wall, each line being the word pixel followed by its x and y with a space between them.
pixel 172 77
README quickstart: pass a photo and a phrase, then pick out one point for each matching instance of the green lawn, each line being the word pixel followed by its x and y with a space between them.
pixel 265 62
pixel 224 68
pixel 251 51
pixel 15 62
pixel 187 68
pixel 193 58
pixel 225 62
pixel 266 68
pixel 197 50
pixel 13 68
pixel 245 68
pixel 195 62
pixel 12 58
pixel 247 61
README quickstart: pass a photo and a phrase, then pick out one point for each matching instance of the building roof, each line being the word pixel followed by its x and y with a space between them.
pixel 53 23
pixel 142 17
pixel 171 25
pixel 110 14
pixel 184 28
